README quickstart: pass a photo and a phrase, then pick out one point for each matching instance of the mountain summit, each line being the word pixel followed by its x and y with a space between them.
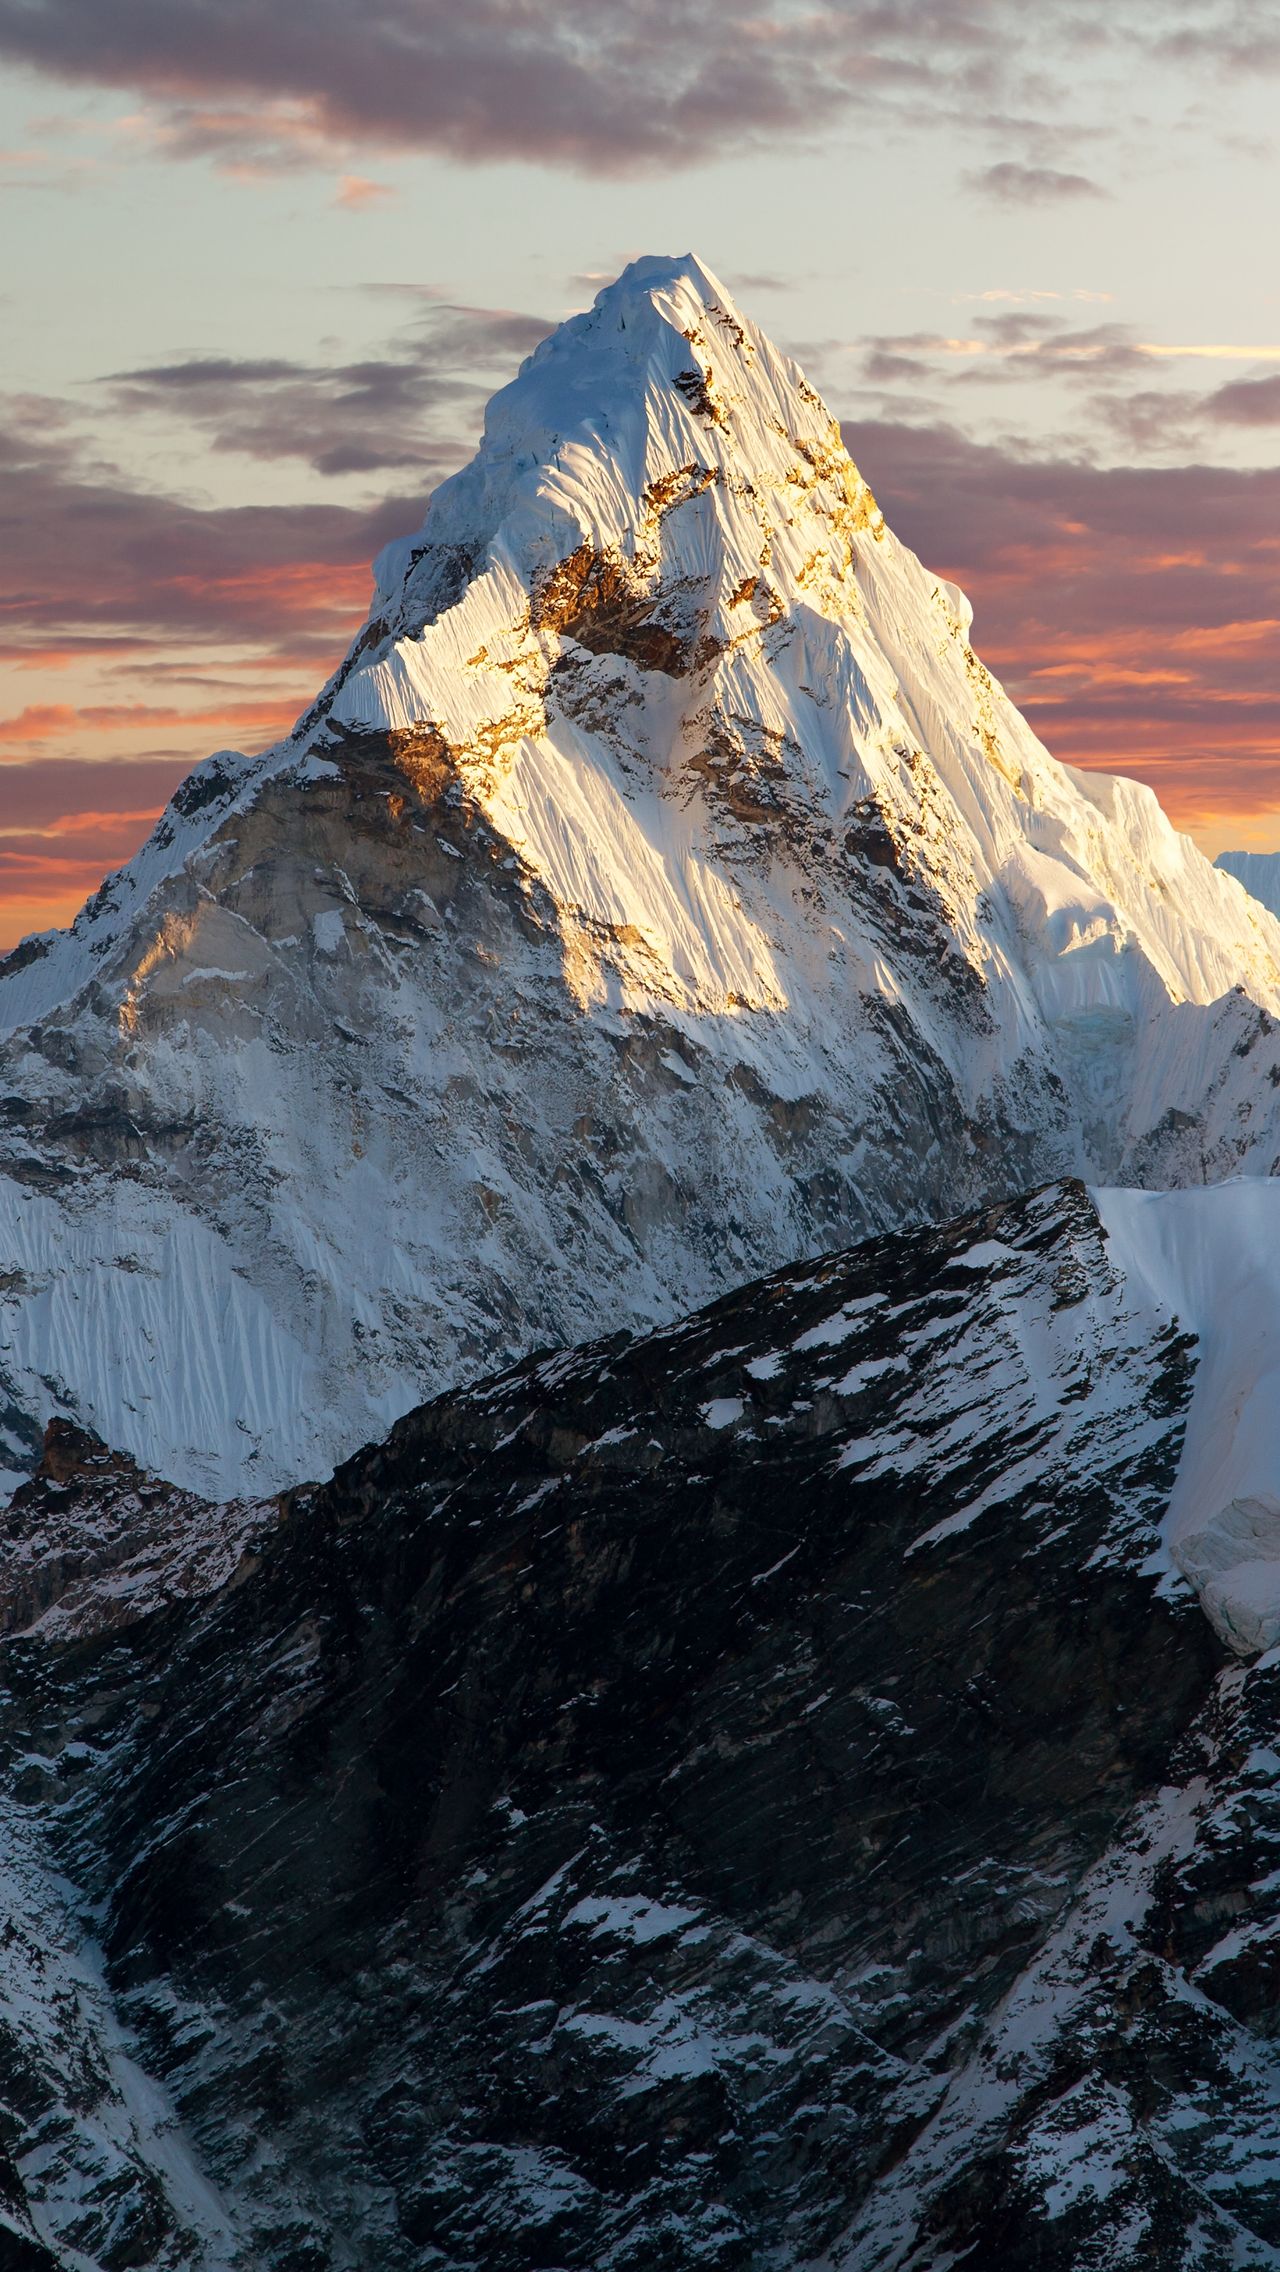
pixel 660 891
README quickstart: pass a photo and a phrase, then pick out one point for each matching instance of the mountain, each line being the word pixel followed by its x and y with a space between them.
pixel 1259 872
pixel 756 1797
pixel 662 890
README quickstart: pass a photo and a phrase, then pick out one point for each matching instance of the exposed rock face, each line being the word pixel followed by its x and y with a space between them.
pixel 754 1797
pixel 91 1543
pixel 662 890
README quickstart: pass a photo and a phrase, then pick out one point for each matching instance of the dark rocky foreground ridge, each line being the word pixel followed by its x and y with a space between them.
pixel 750 1797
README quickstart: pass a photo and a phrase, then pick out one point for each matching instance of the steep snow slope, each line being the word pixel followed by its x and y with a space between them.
pixel 661 890
pixel 1259 872
pixel 1211 1260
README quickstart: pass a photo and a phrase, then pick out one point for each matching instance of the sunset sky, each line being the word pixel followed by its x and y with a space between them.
pixel 262 265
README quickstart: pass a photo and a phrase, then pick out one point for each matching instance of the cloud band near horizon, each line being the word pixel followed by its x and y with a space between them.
pixel 1133 613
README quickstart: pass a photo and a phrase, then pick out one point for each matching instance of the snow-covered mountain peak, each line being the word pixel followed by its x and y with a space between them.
pixel 661 890
pixel 662 572
pixel 656 487
pixel 662 381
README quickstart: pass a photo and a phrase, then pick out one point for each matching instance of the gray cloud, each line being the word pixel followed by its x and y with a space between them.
pixel 92 560
pixel 765 283
pixel 634 84
pixel 378 414
pixel 497 78
pixel 1012 184
pixel 1017 347
pixel 1238 36
pixel 1246 402
pixel 1112 390
pixel 88 558
pixel 1150 422
pixel 888 364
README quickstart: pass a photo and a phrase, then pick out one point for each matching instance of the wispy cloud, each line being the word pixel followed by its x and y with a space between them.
pixel 1012 184
pixel 43 722
pixel 1101 386
pixel 1052 345
pixel 1019 343
pixel 416 406
pixel 1208 351
pixel 100 558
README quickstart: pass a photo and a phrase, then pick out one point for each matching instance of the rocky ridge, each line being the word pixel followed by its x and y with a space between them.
pixel 757 1796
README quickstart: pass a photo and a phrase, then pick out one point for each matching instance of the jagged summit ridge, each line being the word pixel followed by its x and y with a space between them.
pixel 660 397
pixel 660 891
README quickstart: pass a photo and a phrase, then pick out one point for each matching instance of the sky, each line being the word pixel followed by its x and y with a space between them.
pixel 262 267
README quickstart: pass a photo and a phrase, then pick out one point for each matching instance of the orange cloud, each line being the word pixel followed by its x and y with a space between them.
pixel 274 716
pixel 41 722
pixel 46 877
pixel 38 722
pixel 355 193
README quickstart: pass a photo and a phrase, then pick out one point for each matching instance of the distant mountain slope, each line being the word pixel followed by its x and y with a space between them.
pixel 1259 872
pixel 758 1796
pixel 661 890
